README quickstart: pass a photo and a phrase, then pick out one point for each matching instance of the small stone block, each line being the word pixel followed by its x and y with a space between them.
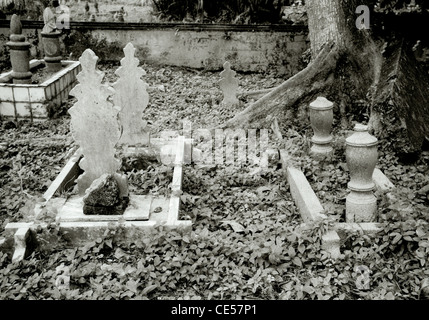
pixel 23 109
pixel 21 94
pixel 7 109
pixel 21 239
pixel 37 94
pixel 138 208
pixel 39 110
pixel 6 93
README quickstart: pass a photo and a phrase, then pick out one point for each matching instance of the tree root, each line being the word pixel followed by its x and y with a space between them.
pixel 317 78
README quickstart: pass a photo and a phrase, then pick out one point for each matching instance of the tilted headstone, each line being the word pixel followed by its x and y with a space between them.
pixel 229 85
pixel 94 123
pixel 132 98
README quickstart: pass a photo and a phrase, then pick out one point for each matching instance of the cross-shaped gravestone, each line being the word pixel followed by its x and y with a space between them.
pixel 94 123
pixel 228 85
pixel 132 98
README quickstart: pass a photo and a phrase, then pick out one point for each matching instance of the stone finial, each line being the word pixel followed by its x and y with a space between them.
pixel 15 25
pixel 94 123
pixel 229 85
pixel 361 157
pixel 321 119
pixel 19 53
pixel 132 98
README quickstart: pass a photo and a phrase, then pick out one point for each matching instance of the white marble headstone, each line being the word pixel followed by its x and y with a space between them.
pixel 132 98
pixel 229 85
pixel 94 123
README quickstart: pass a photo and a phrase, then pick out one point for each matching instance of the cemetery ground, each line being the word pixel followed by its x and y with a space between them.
pixel 247 239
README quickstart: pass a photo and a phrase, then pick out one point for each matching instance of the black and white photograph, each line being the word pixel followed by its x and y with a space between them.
pixel 214 158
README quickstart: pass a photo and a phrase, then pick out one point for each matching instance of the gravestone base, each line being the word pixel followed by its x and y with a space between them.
pixel 141 218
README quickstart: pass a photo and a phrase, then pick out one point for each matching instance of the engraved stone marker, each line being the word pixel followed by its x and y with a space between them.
pixel 132 98
pixel 229 85
pixel 94 123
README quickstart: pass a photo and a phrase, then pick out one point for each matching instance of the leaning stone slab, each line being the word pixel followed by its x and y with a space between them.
pixel 381 181
pixel 306 200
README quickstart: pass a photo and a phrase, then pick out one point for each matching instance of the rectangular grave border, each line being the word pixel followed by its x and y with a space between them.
pixel 32 101
pixel 311 209
pixel 19 236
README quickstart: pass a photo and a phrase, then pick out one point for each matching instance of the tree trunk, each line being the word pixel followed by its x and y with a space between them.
pixel 345 63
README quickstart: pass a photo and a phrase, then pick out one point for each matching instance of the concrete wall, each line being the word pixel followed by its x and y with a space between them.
pixel 248 48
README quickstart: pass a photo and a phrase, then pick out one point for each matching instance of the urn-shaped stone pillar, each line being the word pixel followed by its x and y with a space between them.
pixel 361 157
pixel 19 53
pixel 52 49
pixel 321 118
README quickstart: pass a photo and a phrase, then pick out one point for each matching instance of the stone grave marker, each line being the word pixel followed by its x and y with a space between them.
pixel 132 98
pixel 94 125
pixel 229 85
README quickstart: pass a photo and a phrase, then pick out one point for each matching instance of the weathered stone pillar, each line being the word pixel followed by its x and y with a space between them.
pixel 361 157
pixel 19 53
pixel 321 118
pixel 52 49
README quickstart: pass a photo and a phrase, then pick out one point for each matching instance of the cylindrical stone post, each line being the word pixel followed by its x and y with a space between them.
pixel 52 49
pixel 19 53
pixel 321 119
pixel 361 157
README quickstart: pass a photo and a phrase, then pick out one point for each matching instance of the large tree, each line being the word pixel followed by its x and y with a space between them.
pixel 349 64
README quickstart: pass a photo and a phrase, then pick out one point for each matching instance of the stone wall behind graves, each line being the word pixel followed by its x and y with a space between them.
pixel 277 48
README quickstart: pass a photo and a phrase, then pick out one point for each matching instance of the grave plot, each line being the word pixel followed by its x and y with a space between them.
pixel 104 195
pixel 33 89
pixel 336 178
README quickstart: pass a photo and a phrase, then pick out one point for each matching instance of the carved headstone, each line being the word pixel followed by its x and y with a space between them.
pixel 94 123
pixel 229 85
pixel 132 98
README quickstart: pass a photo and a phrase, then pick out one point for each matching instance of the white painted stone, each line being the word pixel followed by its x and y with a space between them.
pixel 7 109
pixel 6 93
pixel 138 208
pixel 132 98
pixel 94 123
pixel 23 109
pixel 331 243
pixel 381 181
pixel 21 94
pixel 21 237
pixel 37 94
pixel 229 85
pixel 305 199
